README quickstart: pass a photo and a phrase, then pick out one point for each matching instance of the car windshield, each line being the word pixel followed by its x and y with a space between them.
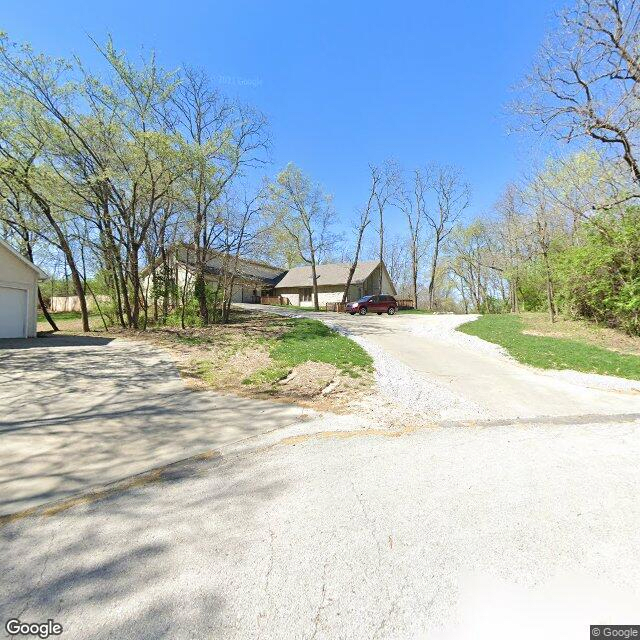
pixel 365 298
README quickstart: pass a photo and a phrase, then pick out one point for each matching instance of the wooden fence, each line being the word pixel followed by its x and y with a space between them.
pixel 405 303
pixel 72 303
pixel 276 300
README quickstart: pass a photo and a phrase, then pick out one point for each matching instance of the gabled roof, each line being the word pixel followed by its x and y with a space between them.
pixel 327 274
pixel 246 274
pixel 249 271
pixel 41 274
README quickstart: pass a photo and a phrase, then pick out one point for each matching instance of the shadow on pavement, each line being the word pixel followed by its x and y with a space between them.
pixel 49 340
pixel 91 411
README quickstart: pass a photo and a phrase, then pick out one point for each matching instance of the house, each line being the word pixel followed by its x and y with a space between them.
pixel 18 294
pixel 253 279
pixel 297 283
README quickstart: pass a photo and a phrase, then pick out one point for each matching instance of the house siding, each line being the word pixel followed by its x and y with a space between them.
pixel 326 294
pixel 333 293
pixel 14 274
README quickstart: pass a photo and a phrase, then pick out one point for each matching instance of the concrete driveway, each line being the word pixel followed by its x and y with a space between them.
pixel 81 411
pixel 476 371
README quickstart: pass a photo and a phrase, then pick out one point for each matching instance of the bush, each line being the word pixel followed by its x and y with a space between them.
pixel 600 278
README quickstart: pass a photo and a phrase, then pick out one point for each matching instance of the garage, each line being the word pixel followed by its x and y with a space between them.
pixel 18 294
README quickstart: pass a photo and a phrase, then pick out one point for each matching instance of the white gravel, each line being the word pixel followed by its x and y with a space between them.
pixel 445 331
pixel 411 397
pixel 407 397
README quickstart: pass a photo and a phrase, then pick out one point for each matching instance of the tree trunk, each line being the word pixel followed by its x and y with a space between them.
pixel 550 295
pixel 314 276
pixel 432 279
pixel 354 264
pixel 45 312
pixel 77 283
pixel 414 273
pixel 68 253
pixel 381 248
pixel 513 285
pixel 135 282
pixel 43 306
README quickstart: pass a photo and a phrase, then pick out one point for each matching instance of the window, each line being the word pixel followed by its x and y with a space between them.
pixel 305 295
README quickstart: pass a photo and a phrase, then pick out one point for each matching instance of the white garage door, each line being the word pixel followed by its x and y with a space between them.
pixel 13 312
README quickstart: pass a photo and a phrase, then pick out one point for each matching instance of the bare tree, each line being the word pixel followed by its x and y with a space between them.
pixel 387 184
pixel 306 214
pixel 413 205
pixel 587 80
pixel 363 223
pixel 543 221
pixel 452 195
pixel 509 234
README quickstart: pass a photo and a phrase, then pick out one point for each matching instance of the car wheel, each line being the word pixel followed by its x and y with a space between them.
pixel 363 311
pixel 391 310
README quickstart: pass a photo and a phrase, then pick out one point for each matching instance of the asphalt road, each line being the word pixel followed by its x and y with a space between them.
pixel 520 526
pixel 494 532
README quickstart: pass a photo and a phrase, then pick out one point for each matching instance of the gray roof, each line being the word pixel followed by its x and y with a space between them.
pixel 328 274
pixel 249 271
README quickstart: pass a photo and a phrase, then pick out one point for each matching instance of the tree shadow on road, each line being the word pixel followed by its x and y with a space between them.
pixel 141 564
pixel 47 341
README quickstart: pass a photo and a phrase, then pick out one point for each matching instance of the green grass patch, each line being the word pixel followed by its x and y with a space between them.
pixel 205 370
pixel 60 315
pixel 268 376
pixel 312 341
pixel 551 353
pixel 415 311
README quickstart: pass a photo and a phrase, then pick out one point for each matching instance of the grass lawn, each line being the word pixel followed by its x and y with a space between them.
pixel 552 352
pixel 60 315
pixel 69 321
pixel 311 340
pixel 416 311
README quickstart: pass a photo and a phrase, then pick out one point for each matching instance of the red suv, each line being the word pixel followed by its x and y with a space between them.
pixel 376 304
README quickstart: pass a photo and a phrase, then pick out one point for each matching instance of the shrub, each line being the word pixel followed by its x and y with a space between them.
pixel 600 278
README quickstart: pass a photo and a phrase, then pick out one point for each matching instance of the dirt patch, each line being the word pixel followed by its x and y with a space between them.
pixel 538 324
pixel 309 379
pixel 234 358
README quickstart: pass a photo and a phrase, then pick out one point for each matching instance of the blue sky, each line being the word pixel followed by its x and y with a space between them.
pixel 343 83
